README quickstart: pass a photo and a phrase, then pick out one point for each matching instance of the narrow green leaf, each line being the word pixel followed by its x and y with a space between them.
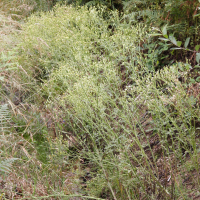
pixel 196 15
pixel 155 34
pixel 164 30
pixel 175 48
pixel 187 42
pixel 198 57
pixel 163 39
pixel 197 47
pixel 180 66
pixel 172 39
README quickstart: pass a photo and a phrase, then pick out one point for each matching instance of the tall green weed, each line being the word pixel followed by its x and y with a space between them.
pixel 134 127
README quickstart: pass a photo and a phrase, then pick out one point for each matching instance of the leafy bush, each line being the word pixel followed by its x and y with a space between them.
pixel 181 16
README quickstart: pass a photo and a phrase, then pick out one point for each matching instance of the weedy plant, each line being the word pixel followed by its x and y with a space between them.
pixel 135 128
pixel 20 9
pixel 7 26
pixel 4 116
pixel 182 18
pixel 92 117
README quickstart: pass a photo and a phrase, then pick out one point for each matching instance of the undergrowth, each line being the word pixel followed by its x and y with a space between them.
pixel 93 117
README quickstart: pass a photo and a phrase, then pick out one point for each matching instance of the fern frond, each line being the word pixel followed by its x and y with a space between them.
pixel 6 165
pixel 4 114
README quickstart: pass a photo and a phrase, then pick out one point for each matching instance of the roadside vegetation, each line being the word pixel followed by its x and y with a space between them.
pixel 100 99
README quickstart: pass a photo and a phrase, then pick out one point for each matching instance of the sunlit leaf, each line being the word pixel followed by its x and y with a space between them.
pixel 175 48
pixel 198 57
pixel 179 43
pixel 197 15
pixel 164 30
pixel 172 39
pixel 166 36
pixel 187 42
pixel 164 39
pixel 155 34
pixel 197 47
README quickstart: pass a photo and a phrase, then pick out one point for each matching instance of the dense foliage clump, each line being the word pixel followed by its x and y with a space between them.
pixel 109 98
